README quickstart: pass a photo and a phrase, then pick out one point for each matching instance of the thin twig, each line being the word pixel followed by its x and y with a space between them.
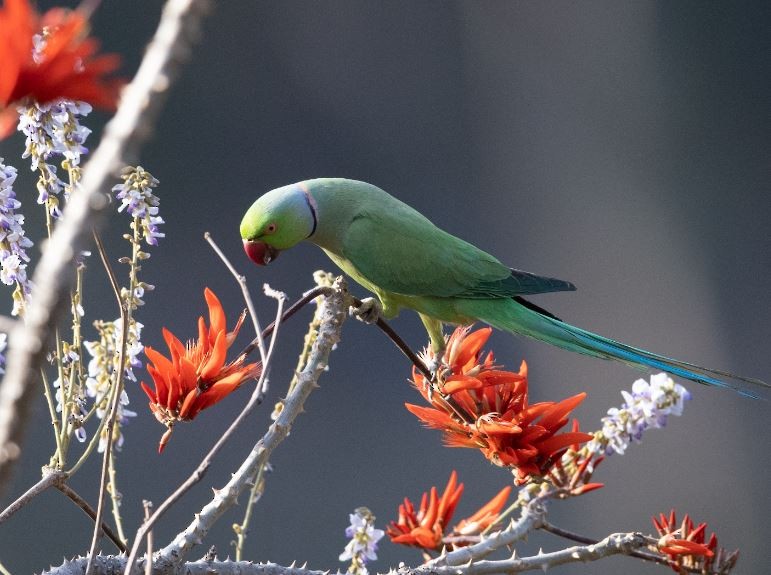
pixel 403 347
pixel 115 497
pixel 50 477
pixel 88 510
pixel 116 390
pixel 125 333
pixel 109 271
pixel 241 279
pixel 148 505
pixel 54 274
pixel 577 537
pixel 255 494
pixel 259 482
pixel 58 458
pixel 56 478
pixel 200 471
pixel 307 297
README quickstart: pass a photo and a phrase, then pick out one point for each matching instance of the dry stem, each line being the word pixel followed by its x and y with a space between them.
pixel 54 274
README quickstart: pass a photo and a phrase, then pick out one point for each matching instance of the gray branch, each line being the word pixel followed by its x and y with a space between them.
pixel 54 274
pixel 114 565
pixel 532 518
pixel 332 310
pixel 617 544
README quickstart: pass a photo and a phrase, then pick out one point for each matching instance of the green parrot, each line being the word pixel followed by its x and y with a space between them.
pixel 407 262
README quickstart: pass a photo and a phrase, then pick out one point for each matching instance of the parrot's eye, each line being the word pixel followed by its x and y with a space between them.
pixel 270 228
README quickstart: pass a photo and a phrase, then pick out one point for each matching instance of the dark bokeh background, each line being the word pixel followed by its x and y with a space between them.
pixel 621 145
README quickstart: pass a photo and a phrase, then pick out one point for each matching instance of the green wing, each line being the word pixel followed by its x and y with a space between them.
pixel 400 251
pixel 517 283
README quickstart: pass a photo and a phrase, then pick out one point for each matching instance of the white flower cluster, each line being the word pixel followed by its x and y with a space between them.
pixel 648 405
pixel 105 355
pixel 13 242
pixel 67 385
pixel 363 544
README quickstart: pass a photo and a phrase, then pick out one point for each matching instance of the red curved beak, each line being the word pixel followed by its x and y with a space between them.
pixel 260 252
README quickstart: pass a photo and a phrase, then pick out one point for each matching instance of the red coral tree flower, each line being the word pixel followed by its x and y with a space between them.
pixel 68 66
pixel 196 376
pixel 428 527
pixel 572 473
pixel 688 548
pixel 483 407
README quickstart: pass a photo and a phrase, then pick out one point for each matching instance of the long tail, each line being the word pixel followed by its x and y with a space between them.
pixel 530 320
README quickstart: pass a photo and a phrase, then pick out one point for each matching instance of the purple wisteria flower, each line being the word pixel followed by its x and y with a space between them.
pixel 137 198
pixel 647 406
pixel 363 544
pixel 13 242
pixel 52 130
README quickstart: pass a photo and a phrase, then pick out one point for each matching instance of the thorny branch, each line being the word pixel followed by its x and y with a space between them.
pixel 646 556
pixel 54 275
pixel 619 543
pixel 333 308
pixel 532 518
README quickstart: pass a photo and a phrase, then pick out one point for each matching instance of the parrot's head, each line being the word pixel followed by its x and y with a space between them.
pixel 276 221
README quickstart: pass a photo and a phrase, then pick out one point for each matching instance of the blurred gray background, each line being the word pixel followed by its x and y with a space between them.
pixel 621 145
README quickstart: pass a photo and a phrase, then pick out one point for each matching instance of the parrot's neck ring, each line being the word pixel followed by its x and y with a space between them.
pixel 311 206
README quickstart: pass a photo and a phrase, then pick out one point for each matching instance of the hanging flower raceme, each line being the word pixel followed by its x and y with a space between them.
pixel 478 405
pixel 50 57
pixel 647 406
pixel 688 548
pixel 197 375
pixel 428 526
pixel 13 241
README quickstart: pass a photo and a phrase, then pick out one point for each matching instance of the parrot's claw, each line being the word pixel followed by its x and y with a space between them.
pixel 369 311
pixel 439 371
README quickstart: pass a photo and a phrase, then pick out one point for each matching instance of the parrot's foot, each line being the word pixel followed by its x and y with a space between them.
pixel 369 311
pixel 439 371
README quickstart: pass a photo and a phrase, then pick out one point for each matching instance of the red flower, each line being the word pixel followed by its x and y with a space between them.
pixel 480 406
pixel 196 376
pixel 426 528
pixel 573 471
pixel 68 65
pixel 688 547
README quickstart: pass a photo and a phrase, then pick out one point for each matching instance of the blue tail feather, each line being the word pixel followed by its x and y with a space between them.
pixel 538 324
pixel 640 357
